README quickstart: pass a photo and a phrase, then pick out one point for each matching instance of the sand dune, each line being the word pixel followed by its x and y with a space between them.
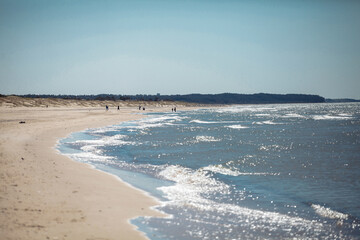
pixel 14 101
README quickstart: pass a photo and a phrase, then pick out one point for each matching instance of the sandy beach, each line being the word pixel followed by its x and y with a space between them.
pixel 45 195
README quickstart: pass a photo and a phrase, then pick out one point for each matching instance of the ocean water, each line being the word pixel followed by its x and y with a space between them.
pixel 240 172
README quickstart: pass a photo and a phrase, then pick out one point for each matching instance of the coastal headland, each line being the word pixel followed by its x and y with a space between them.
pixel 45 195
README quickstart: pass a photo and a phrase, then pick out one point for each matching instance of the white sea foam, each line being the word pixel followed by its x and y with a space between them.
pixel 222 170
pixel 328 213
pixel 202 122
pixel 105 129
pixel 153 122
pixel 345 115
pixel 293 115
pixel 199 139
pixel 165 118
pixel 91 148
pixel 91 151
pixel 274 147
pixel 100 130
pixel 230 171
pixel 115 140
pixel 330 117
pixel 240 109
pixel 258 174
pixel 212 122
pixel 142 124
pixel 237 126
pixel 268 122
pixel 206 139
pixel 88 157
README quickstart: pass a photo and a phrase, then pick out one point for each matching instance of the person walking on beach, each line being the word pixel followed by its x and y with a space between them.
pixel 139 107
pixel 118 107
pixel 107 107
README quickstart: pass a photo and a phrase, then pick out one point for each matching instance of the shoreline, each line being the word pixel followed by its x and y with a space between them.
pixel 47 195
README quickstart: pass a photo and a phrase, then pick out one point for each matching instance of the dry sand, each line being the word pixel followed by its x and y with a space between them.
pixel 45 195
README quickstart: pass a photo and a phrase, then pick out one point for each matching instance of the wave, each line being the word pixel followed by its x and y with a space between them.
pixel 164 118
pixel 329 213
pixel 345 115
pixel 202 122
pixel 103 129
pixel 268 122
pixel 237 127
pixel 222 170
pixel 89 157
pixel 191 187
pixel 225 170
pixel 158 121
pixel 240 109
pixel 275 147
pixel 115 140
pixel 206 139
pixel 293 115
pixel 142 124
pixel 330 117
pixel 90 151
pixel 212 122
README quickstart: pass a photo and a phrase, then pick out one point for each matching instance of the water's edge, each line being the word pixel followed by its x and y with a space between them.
pixel 120 176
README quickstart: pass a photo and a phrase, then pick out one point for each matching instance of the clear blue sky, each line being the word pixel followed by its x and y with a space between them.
pixel 179 47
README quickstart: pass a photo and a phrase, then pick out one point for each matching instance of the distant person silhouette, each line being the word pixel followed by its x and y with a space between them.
pixel 107 107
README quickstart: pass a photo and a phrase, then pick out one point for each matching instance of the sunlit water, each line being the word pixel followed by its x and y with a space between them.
pixel 241 172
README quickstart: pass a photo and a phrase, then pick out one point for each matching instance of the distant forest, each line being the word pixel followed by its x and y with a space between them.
pixel 224 98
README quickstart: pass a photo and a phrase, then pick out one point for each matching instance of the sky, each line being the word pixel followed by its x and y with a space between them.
pixel 180 47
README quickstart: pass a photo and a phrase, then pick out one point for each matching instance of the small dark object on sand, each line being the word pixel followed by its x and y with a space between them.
pixel 22 122
pixel 22 159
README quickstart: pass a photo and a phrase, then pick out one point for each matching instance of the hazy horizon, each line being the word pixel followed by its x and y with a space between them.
pixel 180 47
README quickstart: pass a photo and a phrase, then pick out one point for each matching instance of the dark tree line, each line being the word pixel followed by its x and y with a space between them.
pixel 259 98
pixel 224 98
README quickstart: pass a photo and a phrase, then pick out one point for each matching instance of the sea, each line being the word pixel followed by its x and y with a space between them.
pixel 281 171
